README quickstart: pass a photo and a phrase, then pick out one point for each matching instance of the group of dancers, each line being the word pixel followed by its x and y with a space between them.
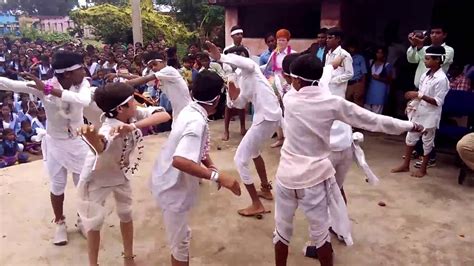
pixel 103 156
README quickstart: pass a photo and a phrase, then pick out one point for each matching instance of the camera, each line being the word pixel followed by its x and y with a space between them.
pixel 420 33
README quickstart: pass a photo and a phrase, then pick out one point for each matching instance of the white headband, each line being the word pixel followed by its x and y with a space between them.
pixel 237 31
pixel 443 56
pixel 152 60
pixel 120 104
pixel 71 68
pixel 210 102
pixel 305 79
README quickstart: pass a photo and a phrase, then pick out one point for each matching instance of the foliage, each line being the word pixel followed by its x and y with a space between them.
pixel 112 2
pixel 41 7
pixel 34 34
pixel 197 15
pixel 113 24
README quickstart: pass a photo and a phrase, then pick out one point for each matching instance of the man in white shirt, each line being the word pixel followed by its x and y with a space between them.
pixel 341 133
pixel 305 175
pixel 252 86
pixel 416 52
pixel 183 161
pixel 237 34
pixel 114 155
pixel 64 98
pixel 425 108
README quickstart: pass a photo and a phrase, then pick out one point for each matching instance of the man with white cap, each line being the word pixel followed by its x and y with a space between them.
pixel 64 98
pixel 237 34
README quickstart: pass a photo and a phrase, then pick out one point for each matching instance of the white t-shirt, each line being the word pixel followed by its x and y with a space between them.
pixel 175 88
pixel 173 189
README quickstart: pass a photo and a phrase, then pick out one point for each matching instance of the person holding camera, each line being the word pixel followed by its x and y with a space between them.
pixel 416 52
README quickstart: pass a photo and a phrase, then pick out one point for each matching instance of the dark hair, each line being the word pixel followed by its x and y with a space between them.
pixel 64 59
pixel 307 66
pixel 111 96
pixel 187 59
pixel 323 30
pixel 202 55
pixel 439 26
pixel 337 32
pixel 438 50
pixel 8 131
pixel 25 122
pixel 384 49
pixel 207 85
pixel 237 50
pixel 153 55
pixel 236 27
pixel 268 35
pixel 287 62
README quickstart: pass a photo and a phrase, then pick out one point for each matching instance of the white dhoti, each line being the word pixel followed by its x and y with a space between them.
pixel 251 147
pixel 321 204
pixel 428 138
pixel 342 162
pixel 92 199
pixel 61 156
pixel 178 233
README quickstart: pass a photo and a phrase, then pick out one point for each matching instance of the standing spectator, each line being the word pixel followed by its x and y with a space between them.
pixel 270 41
pixel 457 79
pixel 416 52
pixel 111 62
pixel 356 85
pixel 91 64
pixel 319 48
pixel 379 83
pixel 274 65
pixel 237 34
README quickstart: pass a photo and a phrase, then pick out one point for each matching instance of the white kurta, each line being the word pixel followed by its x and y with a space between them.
pixel 175 88
pixel 341 133
pixel 61 148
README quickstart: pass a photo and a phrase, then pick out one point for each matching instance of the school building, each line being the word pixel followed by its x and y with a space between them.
pixel 378 21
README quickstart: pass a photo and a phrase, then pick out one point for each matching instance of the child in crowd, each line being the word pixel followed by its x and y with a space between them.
pixel 10 150
pixel 185 160
pixel 187 70
pixel 110 163
pixel 27 136
pixel 425 108
pixel 9 119
pixel 38 122
pixel 98 78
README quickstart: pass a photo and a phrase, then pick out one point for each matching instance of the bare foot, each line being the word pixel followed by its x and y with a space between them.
pixel 226 136
pixel 418 173
pixel 277 144
pixel 252 210
pixel 243 132
pixel 265 194
pixel 402 168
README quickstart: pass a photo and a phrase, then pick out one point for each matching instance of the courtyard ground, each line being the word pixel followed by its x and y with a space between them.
pixel 428 221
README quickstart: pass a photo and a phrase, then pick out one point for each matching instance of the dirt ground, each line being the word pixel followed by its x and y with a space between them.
pixel 428 221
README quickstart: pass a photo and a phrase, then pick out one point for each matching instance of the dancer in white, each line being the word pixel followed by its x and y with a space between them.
pixel 305 175
pixel 64 97
pixel 115 153
pixel 185 160
pixel 252 86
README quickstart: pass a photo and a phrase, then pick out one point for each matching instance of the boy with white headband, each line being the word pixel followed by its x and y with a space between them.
pixel 115 151
pixel 305 175
pixel 171 83
pixel 425 108
pixel 64 97
pixel 252 86
pixel 237 34
pixel 184 160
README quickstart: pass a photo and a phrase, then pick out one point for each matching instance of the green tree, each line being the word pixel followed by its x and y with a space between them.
pixel 41 7
pixel 113 24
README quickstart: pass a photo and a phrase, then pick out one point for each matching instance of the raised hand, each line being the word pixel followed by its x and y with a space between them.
pixel 417 128
pixel 89 132
pixel 39 85
pixel 213 51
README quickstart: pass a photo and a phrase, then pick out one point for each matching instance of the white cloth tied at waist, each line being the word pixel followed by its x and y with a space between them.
pixel 340 222
pixel 359 156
